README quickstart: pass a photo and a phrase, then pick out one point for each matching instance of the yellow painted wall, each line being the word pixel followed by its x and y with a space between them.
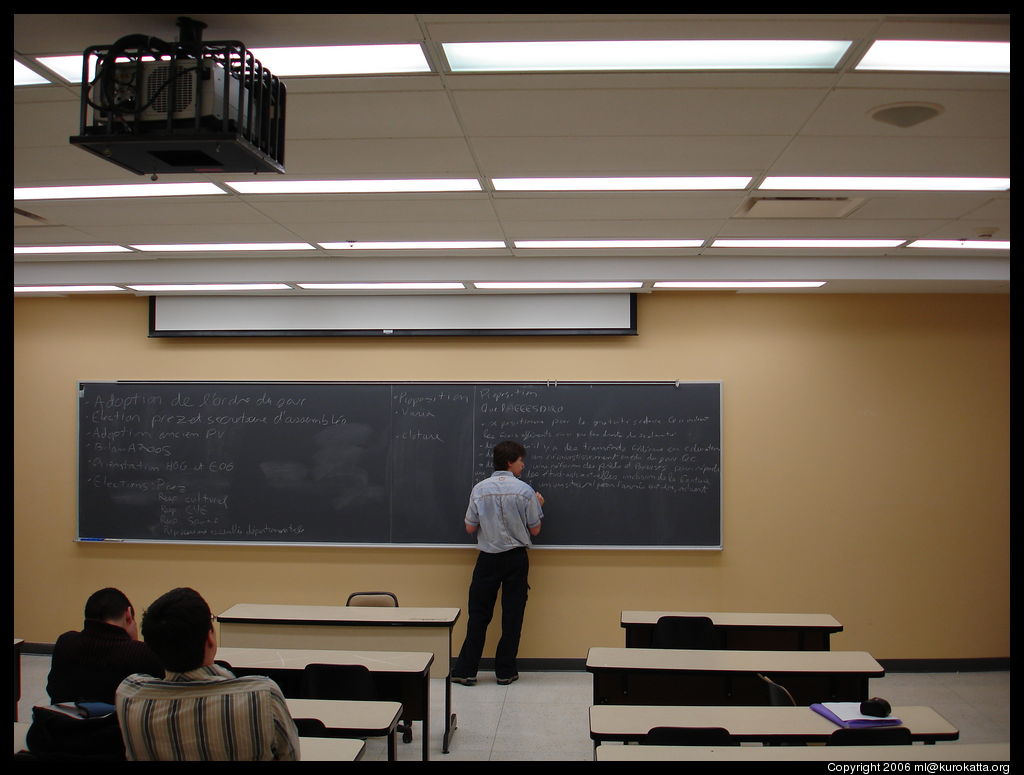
pixel 865 465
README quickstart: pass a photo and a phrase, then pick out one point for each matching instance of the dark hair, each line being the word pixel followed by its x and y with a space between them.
pixel 175 626
pixel 106 604
pixel 506 452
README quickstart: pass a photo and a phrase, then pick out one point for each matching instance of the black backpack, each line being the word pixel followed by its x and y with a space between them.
pixel 56 736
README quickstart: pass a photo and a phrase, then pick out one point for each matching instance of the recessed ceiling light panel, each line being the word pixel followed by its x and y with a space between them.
pixel 621 184
pixel 343 60
pixel 554 285
pixel 58 249
pixel 961 244
pixel 441 245
pixel 225 246
pixel 592 55
pixel 26 76
pixel 435 185
pixel 197 287
pixel 869 183
pixel 583 244
pixel 396 286
pixel 67 288
pixel 938 55
pixel 807 243
pixel 68 67
pixel 737 284
pixel 117 191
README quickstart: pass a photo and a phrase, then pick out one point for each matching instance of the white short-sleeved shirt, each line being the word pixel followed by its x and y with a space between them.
pixel 504 508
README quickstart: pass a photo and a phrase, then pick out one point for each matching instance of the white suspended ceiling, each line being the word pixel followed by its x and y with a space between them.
pixel 596 124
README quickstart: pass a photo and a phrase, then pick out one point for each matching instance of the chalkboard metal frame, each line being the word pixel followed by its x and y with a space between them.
pixel 155 332
pixel 469 544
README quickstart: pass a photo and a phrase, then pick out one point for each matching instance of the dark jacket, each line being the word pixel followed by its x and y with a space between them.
pixel 89 665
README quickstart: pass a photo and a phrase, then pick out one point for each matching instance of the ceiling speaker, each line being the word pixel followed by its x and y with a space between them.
pixel 905 114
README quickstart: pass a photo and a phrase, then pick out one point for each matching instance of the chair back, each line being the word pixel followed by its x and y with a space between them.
pixel 380 599
pixel 871 736
pixel 685 632
pixel 338 682
pixel 688 736
pixel 288 681
pixel 311 727
pixel 777 693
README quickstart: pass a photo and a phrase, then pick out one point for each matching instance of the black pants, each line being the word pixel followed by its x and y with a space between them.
pixel 507 571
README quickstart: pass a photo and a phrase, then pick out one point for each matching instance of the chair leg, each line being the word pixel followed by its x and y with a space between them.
pixel 405 727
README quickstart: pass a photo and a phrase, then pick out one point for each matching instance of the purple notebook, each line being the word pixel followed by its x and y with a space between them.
pixel 848 715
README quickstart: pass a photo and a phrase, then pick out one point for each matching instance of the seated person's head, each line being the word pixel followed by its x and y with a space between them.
pixel 113 607
pixel 107 605
pixel 177 626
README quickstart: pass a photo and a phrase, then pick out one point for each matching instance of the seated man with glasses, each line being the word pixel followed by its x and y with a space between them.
pixel 199 711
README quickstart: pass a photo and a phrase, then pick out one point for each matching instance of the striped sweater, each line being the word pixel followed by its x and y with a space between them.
pixel 206 714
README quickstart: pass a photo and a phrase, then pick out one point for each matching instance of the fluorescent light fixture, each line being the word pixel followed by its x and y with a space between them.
pixel 620 184
pixel 343 60
pixel 66 288
pixel 569 286
pixel 464 245
pixel 382 286
pixel 51 249
pixel 807 243
pixel 938 55
pixel 644 55
pixel 26 76
pixel 354 186
pixel 224 246
pixel 213 287
pixel 961 244
pixel 886 183
pixel 117 191
pixel 737 284
pixel 68 67
pixel 297 61
pixel 610 243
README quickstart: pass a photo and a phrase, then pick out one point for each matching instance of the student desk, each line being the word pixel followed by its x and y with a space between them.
pixel 311 749
pixel 761 724
pixel 330 749
pixel 363 628
pixel 709 677
pixel 761 632
pixel 400 676
pixel 956 752
pixel 352 718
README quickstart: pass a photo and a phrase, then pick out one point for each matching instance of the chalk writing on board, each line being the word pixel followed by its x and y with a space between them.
pixel 623 452
pixel 376 463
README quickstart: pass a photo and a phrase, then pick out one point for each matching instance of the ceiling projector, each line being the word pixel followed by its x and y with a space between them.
pixel 190 106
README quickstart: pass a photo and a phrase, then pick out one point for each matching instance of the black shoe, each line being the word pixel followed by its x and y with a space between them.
pixel 465 681
pixel 510 679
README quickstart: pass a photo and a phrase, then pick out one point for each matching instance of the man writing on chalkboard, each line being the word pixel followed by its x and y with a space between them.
pixel 503 513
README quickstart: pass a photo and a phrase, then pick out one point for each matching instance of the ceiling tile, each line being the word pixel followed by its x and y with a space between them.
pixel 637 155
pixel 635 113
